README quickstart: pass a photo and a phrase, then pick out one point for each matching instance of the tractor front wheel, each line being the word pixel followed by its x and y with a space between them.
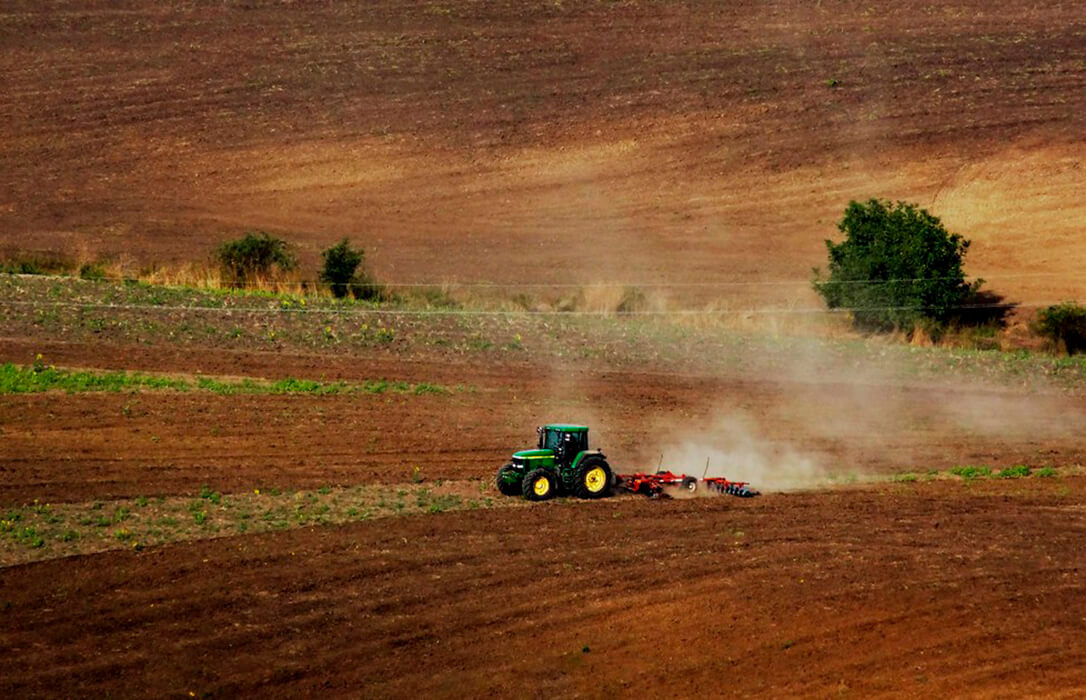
pixel 593 478
pixel 539 485
pixel 508 485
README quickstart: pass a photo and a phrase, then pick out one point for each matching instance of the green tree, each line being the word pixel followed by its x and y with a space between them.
pixel 896 267
pixel 341 263
pixel 256 254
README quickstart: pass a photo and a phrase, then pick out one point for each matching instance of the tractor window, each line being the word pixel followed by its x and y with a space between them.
pixel 550 439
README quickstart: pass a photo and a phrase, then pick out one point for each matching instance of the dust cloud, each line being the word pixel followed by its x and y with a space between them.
pixel 820 416
pixel 735 449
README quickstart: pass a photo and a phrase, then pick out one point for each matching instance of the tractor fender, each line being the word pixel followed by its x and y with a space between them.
pixel 585 453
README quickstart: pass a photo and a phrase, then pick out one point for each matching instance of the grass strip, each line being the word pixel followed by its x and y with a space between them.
pixel 16 379
pixel 38 531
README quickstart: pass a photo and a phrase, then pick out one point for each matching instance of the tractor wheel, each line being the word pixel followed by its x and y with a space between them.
pixel 593 478
pixel 507 487
pixel 690 484
pixel 539 485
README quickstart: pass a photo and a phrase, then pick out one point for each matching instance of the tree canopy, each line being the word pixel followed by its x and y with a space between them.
pixel 897 265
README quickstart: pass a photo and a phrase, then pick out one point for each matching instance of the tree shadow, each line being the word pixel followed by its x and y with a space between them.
pixel 984 308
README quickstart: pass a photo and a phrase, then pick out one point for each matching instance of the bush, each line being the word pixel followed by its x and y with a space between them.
pixel 344 270
pixel 898 266
pixel 1065 325
pixel 257 254
pixel 341 262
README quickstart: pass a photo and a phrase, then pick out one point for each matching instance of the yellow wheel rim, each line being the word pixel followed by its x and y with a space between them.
pixel 542 486
pixel 595 479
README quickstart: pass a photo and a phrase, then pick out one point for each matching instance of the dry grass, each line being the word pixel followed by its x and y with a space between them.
pixel 791 319
pixel 196 275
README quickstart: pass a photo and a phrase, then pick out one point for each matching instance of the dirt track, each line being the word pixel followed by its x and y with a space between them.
pixel 936 589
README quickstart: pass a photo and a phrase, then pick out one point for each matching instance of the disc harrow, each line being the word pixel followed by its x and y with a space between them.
pixel 659 484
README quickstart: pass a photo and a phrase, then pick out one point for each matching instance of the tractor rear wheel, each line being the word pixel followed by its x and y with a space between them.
pixel 539 485
pixel 507 485
pixel 593 478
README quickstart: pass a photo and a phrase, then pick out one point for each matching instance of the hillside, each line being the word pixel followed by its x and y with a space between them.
pixel 635 142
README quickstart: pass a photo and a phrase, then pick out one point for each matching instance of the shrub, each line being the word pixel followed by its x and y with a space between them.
pixel 341 263
pixel 344 270
pixel 1065 325
pixel 897 266
pixel 256 254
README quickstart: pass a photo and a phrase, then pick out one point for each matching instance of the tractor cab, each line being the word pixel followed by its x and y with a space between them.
pixel 564 441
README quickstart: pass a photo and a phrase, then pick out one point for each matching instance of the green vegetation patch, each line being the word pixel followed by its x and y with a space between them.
pixel 972 472
pixel 42 531
pixel 1018 471
pixel 15 379
pixel 22 380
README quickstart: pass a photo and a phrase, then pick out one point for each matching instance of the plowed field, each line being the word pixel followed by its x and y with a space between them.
pixel 906 590
pixel 576 142
pixel 943 587
pixel 776 431
pixel 697 150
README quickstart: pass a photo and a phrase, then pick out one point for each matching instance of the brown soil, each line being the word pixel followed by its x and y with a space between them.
pixel 552 142
pixel 558 142
pixel 776 431
pixel 934 589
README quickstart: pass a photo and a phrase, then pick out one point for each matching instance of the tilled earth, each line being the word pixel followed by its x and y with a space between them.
pixel 926 589
pixel 776 431
pixel 538 142
pixel 935 587
pixel 707 147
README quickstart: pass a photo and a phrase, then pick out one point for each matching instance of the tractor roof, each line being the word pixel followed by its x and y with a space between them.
pixel 567 428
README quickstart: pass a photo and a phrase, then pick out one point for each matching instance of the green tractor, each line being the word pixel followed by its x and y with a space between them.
pixel 562 463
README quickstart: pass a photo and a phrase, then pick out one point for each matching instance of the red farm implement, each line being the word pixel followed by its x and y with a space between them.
pixel 663 483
